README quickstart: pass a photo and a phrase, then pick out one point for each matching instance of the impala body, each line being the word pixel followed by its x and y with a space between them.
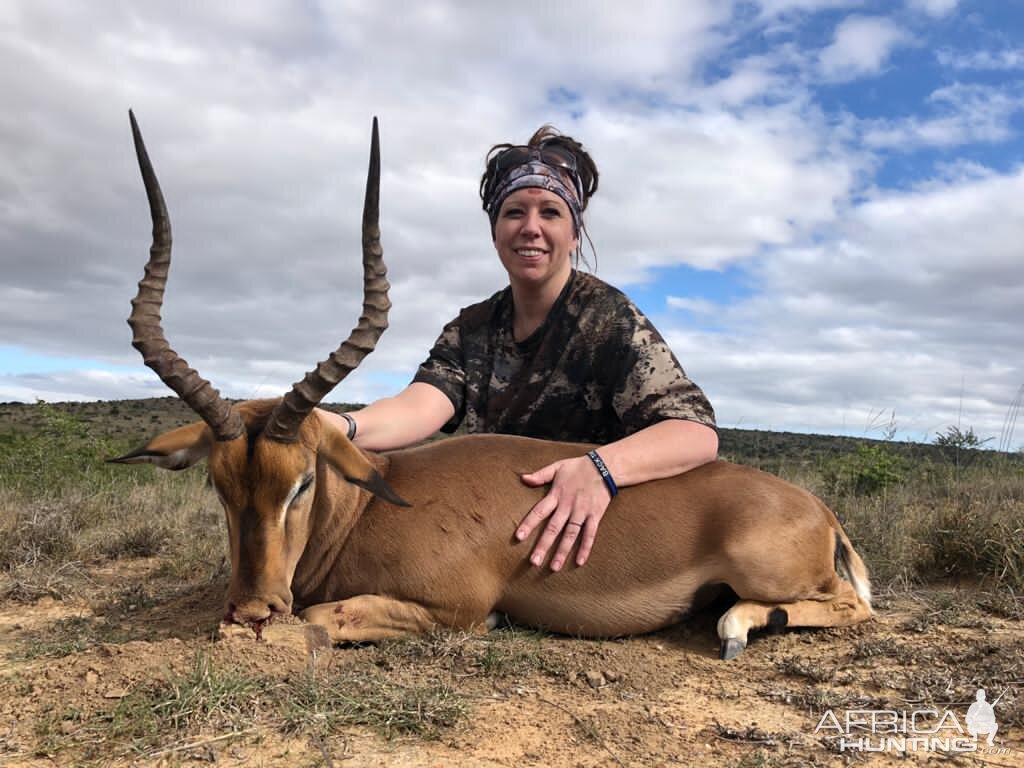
pixel 376 546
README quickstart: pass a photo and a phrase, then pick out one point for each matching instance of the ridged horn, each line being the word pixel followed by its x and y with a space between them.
pixel 284 422
pixel 147 333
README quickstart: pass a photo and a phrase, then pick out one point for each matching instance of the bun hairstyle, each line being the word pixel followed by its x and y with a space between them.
pixel 548 135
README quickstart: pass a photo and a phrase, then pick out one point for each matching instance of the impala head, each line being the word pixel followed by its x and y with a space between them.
pixel 263 455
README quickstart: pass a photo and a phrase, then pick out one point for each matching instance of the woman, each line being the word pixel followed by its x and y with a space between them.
pixel 558 354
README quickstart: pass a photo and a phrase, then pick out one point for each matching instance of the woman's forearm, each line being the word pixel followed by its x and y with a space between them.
pixel 665 449
pixel 414 414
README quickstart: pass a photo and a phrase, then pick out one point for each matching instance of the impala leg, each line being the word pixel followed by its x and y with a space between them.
pixel 369 618
pixel 842 609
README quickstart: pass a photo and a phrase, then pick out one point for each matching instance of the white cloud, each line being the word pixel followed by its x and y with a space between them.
pixel 672 197
pixel 861 47
pixel 700 307
pixel 261 149
pixel 936 8
pixel 257 120
pixel 1006 59
pixel 970 113
pixel 912 304
pixel 780 7
pixel 78 385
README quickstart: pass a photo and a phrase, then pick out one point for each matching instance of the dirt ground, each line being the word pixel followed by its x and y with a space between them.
pixel 662 699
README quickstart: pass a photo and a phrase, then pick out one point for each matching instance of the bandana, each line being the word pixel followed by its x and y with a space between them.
pixel 541 176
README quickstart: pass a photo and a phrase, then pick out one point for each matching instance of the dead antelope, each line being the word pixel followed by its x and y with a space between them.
pixel 316 524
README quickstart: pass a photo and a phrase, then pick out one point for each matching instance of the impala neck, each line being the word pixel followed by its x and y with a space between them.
pixel 336 509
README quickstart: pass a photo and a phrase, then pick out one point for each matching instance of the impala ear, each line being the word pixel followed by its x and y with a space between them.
pixel 353 465
pixel 178 449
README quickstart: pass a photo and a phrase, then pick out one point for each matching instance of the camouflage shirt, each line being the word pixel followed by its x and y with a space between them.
pixel 595 371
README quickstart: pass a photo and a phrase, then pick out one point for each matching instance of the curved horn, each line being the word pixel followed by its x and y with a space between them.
pixel 284 422
pixel 147 333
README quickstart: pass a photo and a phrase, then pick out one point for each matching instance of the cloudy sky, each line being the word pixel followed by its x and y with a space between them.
pixel 819 203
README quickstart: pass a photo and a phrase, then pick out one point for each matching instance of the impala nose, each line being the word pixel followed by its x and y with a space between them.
pixel 251 610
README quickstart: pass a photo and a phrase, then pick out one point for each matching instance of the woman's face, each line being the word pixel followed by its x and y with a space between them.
pixel 534 237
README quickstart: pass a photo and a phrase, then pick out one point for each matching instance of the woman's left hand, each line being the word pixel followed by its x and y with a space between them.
pixel 573 509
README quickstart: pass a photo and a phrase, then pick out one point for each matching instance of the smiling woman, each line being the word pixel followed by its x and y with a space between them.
pixel 558 354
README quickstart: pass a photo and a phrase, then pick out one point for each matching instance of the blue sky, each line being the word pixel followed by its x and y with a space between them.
pixel 817 201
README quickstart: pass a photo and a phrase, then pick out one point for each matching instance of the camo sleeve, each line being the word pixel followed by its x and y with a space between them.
pixel 445 369
pixel 652 385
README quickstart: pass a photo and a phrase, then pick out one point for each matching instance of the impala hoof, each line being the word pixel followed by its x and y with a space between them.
pixel 731 648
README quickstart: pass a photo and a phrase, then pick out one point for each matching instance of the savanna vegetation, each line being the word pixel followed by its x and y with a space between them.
pixel 130 546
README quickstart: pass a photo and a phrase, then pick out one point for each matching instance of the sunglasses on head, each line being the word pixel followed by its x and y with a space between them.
pixel 552 156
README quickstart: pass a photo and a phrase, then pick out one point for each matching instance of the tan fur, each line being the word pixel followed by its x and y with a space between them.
pixel 368 569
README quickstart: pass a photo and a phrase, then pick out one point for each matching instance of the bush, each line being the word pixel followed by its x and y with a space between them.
pixel 62 451
pixel 870 469
pixel 958 446
pixel 983 540
pixel 145 539
pixel 64 509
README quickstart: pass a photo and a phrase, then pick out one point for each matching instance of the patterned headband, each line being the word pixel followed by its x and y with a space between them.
pixel 537 175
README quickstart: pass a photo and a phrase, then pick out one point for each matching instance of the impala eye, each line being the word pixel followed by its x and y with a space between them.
pixel 305 484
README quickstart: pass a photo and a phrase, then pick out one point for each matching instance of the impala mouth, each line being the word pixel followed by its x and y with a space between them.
pixel 257 627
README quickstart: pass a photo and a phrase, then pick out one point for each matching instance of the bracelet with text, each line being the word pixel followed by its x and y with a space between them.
pixel 605 474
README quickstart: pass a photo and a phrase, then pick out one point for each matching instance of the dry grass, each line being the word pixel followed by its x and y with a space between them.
pixel 931 528
pixel 229 701
pixel 366 695
pixel 512 653
pixel 48 543
pixel 939 521
pixel 64 511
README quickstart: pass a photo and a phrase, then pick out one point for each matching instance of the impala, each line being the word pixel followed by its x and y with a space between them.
pixel 373 546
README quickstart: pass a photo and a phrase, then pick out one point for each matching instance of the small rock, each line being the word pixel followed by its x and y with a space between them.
pixel 115 693
pixel 232 631
pixel 91 677
pixel 67 726
pixel 595 679
pixel 304 638
pixel 611 675
pixel 659 647
pixel 316 638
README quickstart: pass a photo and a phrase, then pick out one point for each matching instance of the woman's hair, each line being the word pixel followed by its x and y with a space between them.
pixel 548 135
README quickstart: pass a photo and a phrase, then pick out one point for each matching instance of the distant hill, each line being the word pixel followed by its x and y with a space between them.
pixel 136 421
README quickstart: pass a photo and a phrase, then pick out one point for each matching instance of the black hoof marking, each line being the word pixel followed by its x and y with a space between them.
pixel 778 620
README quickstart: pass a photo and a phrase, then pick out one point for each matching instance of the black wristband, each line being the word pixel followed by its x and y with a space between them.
pixel 605 474
pixel 351 426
